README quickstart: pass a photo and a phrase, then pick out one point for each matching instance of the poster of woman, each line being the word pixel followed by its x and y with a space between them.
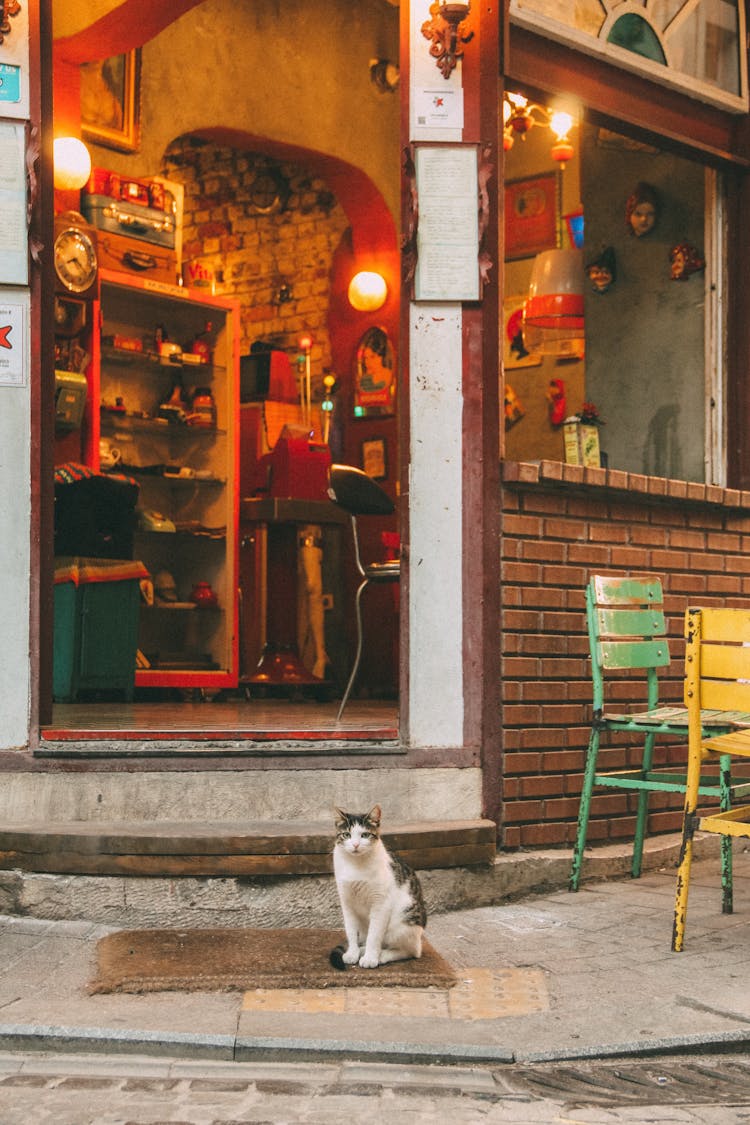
pixel 375 383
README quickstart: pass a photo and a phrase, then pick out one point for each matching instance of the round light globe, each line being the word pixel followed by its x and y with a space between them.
pixel 367 291
pixel 72 163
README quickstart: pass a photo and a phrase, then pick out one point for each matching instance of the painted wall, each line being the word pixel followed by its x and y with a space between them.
pixel 15 513
pixel 645 336
pixel 296 73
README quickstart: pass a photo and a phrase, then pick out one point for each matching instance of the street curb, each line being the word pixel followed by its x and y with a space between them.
pixel 230 1048
pixel 680 1044
pixel 95 1040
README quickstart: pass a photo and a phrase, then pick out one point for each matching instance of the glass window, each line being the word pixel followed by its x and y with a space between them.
pixel 694 45
pixel 638 217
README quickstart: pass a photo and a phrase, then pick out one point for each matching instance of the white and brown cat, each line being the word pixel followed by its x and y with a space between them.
pixel 381 897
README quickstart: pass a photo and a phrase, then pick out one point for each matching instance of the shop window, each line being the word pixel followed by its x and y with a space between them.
pixel 639 370
pixel 693 45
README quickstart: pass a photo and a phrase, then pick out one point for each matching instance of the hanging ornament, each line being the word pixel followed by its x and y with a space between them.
pixel 557 403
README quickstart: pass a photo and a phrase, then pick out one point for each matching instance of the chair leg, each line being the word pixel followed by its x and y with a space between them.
pixel 358 656
pixel 641 819
pixel 583 809
pixel 725 785
pixel 683 871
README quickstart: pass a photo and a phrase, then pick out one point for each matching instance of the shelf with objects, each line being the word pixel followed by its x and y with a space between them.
pixel 168 407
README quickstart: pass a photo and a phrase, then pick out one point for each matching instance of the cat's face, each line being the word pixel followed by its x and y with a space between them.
pixel 357 832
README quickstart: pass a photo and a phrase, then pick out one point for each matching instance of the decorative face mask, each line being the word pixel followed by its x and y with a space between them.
pixel 602 272
pixel 642 209
pixel 685 260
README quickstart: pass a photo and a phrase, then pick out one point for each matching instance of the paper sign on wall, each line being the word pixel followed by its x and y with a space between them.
pixel 448 232
pixel 14 259
pixel 12 345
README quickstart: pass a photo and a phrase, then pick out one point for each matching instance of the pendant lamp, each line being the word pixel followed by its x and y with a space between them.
pixel 553 322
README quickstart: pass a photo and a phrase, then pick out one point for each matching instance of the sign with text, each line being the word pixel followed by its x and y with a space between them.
pixel 448 231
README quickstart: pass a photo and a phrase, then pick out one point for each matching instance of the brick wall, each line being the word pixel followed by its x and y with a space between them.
pixel 254 254
pixel 555 535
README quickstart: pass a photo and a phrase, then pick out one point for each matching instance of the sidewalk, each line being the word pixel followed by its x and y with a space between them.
pixel 554 976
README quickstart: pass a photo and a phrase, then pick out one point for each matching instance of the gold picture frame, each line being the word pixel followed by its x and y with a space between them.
pixel 111 101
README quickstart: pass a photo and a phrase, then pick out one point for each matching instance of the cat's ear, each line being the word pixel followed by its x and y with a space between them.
pixel 341 817
pixel 374 815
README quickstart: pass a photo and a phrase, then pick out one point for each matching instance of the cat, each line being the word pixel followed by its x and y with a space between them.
pixel 381 897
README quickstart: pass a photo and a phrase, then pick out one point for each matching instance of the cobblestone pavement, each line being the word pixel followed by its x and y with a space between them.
pixel 46 1089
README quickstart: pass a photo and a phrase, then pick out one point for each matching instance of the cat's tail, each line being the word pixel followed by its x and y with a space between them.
pixel 336 957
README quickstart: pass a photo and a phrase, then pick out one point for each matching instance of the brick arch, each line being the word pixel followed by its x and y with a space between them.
pixel 371 242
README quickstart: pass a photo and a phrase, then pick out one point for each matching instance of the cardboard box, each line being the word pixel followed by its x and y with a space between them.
pixel 581 444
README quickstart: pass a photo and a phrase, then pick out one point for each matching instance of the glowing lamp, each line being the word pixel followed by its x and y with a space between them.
pixel 305 341
pixel 367 291
pixel 72 163
pixel 553 321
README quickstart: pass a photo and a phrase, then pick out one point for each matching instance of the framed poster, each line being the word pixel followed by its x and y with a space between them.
pixel 110 101
pixel 374 460
pixel 375 375
pixel 531 215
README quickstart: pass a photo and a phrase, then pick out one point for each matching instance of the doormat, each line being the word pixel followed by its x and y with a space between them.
pixel 237 959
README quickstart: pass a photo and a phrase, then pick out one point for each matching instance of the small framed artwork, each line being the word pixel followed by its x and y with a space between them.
pixel 375 375
pixel 110 101
pixel 531 215
pixel 374 460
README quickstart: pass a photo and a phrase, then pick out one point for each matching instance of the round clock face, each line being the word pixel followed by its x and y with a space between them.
pixel 75 260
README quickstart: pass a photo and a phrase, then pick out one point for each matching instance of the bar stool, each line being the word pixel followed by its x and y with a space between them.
pixel 352 490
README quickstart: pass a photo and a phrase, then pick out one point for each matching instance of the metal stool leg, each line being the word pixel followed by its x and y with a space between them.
pixel 355 668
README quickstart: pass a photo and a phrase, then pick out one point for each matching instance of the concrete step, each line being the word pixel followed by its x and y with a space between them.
pixel 186 849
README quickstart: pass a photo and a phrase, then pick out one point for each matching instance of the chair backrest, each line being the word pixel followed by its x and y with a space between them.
pixel 717 661
pixel 627 631
pixel 358 494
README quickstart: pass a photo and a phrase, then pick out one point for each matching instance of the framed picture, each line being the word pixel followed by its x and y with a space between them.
pixel 375 375
pixel 110 101
pixel 515 352
pixel 531 215
pixel 374 458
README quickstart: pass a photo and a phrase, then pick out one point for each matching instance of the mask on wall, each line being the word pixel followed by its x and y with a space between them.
pixel 602 272
pixel 684 261
pixel 642 209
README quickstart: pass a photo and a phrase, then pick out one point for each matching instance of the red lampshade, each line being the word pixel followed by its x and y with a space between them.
pixel 553 321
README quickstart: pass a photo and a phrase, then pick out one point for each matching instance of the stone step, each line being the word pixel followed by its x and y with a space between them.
pixel 177 849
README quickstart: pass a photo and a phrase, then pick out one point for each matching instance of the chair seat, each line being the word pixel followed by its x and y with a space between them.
pixel 663 718
pixel 389 571
pixel 733 742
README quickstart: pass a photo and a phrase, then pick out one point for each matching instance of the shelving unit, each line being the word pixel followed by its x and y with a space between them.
pixel 185 463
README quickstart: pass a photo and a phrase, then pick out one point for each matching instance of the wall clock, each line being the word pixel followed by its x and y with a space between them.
pixel 75 255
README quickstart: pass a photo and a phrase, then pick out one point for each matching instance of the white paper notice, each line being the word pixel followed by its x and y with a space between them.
pixel 12 345
pixel 14 268
pixel 448 231
pixel 440 108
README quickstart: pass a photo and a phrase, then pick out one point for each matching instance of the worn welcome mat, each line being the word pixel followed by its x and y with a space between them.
pixel 237 959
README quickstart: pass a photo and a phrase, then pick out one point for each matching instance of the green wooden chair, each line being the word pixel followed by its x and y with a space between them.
pixel 627 634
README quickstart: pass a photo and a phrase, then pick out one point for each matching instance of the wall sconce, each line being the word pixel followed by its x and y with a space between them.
pixel 367 291
pixel 72 163
pixel 384 75
pixel 443 28
pixel 553 321
pixel 521 115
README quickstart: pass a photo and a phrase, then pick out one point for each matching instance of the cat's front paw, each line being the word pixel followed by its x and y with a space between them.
pixel 368 961
pixel 351 956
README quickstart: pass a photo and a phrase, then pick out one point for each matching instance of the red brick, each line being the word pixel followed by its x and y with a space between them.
pixel 521 572
pixel 588 554
pixel 544 550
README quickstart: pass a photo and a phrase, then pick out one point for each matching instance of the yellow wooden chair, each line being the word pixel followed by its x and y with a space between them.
pixel 717 677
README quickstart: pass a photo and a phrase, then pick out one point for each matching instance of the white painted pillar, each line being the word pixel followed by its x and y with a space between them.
pixel 436 691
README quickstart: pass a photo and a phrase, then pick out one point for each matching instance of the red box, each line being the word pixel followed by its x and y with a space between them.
pixel 296 469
